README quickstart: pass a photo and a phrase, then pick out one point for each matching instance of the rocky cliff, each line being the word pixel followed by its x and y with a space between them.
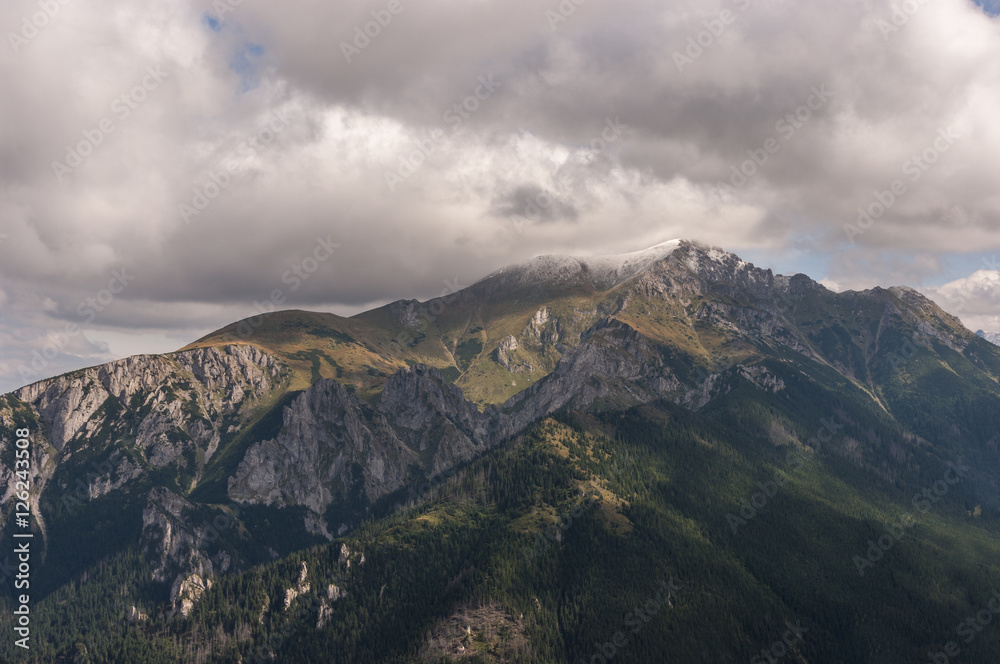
pixel 221 427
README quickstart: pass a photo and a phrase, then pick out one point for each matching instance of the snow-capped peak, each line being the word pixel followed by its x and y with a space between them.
pixel 992 337
pixel 610 270
pixel 603 271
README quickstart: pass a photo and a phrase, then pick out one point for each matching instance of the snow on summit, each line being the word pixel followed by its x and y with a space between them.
pixel 603 271
pixel 609 270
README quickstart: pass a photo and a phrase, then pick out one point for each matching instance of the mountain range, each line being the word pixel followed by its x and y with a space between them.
pixel 992 337
pixel 668 453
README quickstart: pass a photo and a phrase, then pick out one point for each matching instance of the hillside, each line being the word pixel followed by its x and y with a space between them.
pixel 673 447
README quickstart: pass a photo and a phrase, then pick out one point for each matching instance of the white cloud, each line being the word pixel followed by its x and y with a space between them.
pixel 974 299
pixel 534 136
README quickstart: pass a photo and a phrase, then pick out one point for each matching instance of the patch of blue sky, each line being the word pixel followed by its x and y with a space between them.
pixel 246 63
pixel 212 23
pixel 992 7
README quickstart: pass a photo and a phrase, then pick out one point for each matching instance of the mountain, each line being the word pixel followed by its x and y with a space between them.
pixel 670 451
pixel 992 337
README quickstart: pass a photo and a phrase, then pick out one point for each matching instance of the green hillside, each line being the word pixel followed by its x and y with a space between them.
pixel 695 461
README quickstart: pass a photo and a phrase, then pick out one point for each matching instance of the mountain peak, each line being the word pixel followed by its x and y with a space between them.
pixel 602 271
pixel 992 337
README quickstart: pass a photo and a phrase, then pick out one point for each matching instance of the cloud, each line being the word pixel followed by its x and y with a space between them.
pixel 974 299
pixel 263 133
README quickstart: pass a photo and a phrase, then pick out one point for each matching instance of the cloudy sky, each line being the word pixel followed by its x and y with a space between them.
pixel 169 167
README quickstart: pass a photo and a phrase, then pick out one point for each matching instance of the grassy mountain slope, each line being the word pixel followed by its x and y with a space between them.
pixel 782 454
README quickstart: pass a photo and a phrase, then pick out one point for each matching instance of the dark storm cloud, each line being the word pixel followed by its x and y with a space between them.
pixel 532 203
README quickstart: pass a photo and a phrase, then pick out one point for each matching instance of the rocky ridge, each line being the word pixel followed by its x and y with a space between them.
pixel 333 449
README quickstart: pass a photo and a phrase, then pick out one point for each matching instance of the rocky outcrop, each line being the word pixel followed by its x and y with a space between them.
pixel 433 417
pixel 187 591
pixel 135 615
pixel 543 329
pixel 300 588
pixel 762 377
pixel 613 364
pixel 172 410
pixel 542 341
pixel 189 390
pixel 505 357
pixel 332 441
pixel 177 544
pixel 329 440
pixel 325 611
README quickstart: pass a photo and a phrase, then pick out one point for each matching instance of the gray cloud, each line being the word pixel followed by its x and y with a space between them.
pixel 260 138
pixel 533 204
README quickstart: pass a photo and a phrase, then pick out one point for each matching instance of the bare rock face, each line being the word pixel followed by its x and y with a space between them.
pixel 613 363
pixel 326 432
pixel 207 381
pixel 432 416
pixel 232 369
pixel 300 588
pixel 65 404
pixel 177 545
pixel 761 377
pixel 325 610
pixel 187 591
pixel 173 408
pixel 135 615
pixel 331 439
pixel 13 415
pixel 316 526
pixel 504 356
pixel 334 592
